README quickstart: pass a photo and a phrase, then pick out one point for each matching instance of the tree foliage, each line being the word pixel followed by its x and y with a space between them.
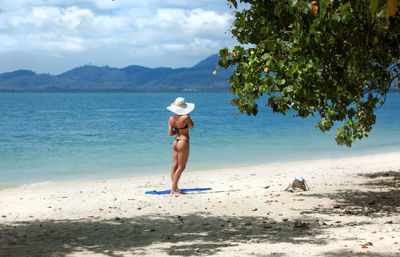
pixel 334 59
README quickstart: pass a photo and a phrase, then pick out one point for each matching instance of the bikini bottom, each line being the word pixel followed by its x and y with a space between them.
pixel 178 139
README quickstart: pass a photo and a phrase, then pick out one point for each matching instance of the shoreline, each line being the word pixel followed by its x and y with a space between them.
pixel 352 209
pixel 191 170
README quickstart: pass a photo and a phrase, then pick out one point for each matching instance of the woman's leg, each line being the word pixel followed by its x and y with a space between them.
pixel 183 155
pixel 174 160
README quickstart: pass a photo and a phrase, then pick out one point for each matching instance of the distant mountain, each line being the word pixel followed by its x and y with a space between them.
pixel 199 78
pixel 132 78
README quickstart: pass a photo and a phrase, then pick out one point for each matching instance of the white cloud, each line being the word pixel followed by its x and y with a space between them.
pixel 149 29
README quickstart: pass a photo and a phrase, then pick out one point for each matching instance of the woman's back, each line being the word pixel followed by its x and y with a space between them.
pixel 181 124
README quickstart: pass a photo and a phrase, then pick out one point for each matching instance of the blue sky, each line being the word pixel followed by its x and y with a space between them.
pixel 53 36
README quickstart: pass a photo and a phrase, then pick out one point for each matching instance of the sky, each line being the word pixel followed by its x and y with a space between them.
pixel 53 36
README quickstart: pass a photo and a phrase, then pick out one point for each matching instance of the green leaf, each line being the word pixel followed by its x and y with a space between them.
pixel 234 3
pixel 223 52
pixel 292 3
pixel 289 88
pixel 281 64
pixel 281 81
pixel 376 6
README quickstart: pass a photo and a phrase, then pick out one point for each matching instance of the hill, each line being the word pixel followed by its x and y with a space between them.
pixel 198 78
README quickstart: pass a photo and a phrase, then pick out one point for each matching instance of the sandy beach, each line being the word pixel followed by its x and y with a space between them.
pixel 352 209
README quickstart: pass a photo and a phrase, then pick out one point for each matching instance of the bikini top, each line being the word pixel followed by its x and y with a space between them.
pixel 185 127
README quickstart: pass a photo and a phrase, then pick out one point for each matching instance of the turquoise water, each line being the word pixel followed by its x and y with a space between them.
pixel 73 136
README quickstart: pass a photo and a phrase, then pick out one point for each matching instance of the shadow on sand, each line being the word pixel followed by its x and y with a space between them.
pixel 198 234
pixel 191 235
pixel 378 196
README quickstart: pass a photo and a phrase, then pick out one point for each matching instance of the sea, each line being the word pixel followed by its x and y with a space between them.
pixel 57 137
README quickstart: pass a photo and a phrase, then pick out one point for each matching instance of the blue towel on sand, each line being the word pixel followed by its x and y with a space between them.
pixel 165 192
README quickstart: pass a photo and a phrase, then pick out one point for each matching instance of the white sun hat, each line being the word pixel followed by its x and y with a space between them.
pixel 180 107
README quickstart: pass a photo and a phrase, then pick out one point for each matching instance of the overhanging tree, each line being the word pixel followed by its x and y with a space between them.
pixel 334 59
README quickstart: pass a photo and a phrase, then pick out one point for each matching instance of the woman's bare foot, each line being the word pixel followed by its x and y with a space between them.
pixel 177 193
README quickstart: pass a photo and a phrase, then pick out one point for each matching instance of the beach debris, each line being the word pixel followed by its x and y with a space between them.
pixel 285 219
pixel 169 235
pixel 131 199
pixel 266 187
pixel 255 209
pixel 180 219
pixel 297 184
pixel 4 216
pixel 348 212
pixel 366 245
pixel 117 218
pixel 300 225
pixel 139 209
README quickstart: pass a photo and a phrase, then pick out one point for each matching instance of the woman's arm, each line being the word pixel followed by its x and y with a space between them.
pixel 190 122
pixel 171 130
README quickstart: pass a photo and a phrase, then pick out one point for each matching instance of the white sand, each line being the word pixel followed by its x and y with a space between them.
pixel 352 201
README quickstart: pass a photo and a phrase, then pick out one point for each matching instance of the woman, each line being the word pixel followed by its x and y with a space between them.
pixel 179 125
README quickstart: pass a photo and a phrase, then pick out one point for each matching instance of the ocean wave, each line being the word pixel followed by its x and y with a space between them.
pixel 45 183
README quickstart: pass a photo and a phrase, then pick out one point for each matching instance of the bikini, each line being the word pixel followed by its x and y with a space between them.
pixel 178 134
